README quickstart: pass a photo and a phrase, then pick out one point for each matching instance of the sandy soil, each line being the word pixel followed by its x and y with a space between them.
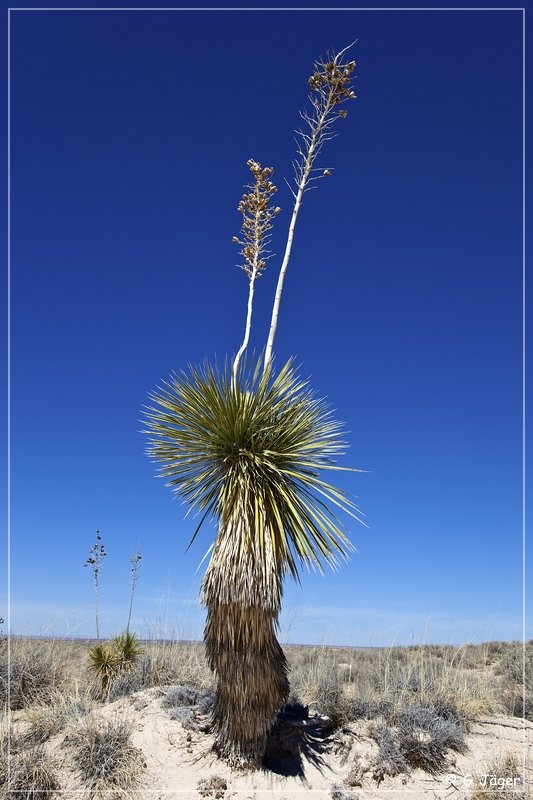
pixel 177 760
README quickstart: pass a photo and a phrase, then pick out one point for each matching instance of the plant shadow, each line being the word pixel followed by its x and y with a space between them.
pixel 296 740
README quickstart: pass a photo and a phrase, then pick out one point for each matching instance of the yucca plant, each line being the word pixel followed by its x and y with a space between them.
pixel 127 649
pixel 104 662
pixel 112 658
pixel 245 447
pixel 248 453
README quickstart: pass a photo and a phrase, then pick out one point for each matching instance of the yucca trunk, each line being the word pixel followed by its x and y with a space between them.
pixel 242 591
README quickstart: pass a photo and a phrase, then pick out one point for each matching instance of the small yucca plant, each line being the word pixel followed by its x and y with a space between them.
pixel 103 661
pixel 112 658
pixel 127 649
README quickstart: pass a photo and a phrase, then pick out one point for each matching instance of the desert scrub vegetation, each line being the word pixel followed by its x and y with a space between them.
pixel 425 738
pixel 38 669
pixel 189 705
pixel 340 793
pixel 515 666
pixel 502 778
pixel 417 739
pixel 215 786
pixel 46 719
pixel 163 664
pixel 42 669
pixel 31 773
pixel 349 684
pixel 104 757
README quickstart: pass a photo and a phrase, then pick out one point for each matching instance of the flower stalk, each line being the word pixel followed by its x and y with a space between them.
pixel 134 575
pixel 330 87
pixel 257 222
pixel 97 554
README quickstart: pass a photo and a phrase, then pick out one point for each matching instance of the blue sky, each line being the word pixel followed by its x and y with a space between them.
pixel 130 133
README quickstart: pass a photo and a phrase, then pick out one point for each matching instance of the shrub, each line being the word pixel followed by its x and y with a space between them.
pixel 104 756
pixel 128 649
pixel 338 793
pixel 501 779
pixel 424 738
pixel 215 787
pixel 33 775
pixel 180 696
pixel 48 719
pixel 389 760
pixel 206 701
pixel 518 691
pixel 104 663
pixel 140 676
pixel 420 738
pixel 185 716
pixel 34 672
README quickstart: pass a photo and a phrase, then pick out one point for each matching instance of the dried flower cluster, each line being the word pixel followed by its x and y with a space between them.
pixel 96 554
pixel 134 560
pixel 333 80
pixel 331 85
pixel 257 219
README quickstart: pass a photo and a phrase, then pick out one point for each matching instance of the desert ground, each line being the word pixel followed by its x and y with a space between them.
pixel 421 721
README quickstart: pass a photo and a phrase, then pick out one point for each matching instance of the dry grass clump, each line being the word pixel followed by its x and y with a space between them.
pixel 36 669
pixel 417 738
pixel 502 779
pixel 4 749
pixel 183 695
pixel 214 787
pixel 358 769
pixel 424 738
pixel 314 677
pixel 143 675
pixel 49 718
pixel 515 665
pixel 187 705
pixel 104 756
pixel 31 773
pixel 339 793
pixel 389 760
pixel 438 679
pixel 185 716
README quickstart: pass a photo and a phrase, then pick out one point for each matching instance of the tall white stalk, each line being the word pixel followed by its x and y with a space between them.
pixel 330 83
pixel 94 561
pixel 248 325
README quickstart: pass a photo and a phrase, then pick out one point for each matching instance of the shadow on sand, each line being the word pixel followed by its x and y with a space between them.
pixel 297 739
